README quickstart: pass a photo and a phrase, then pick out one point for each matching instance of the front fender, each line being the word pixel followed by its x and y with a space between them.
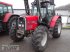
pixel 53 21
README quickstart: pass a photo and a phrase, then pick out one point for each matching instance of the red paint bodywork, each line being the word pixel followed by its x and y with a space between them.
pixel 7 16
pixel 53 21
pixel 31 22
pixel 5 3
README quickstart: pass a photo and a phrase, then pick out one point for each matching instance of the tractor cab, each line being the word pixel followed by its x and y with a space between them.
pixel 5 8
pixel 45 10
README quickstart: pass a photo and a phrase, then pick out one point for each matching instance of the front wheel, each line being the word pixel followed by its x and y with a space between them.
pixel 39 38
pixel 14 32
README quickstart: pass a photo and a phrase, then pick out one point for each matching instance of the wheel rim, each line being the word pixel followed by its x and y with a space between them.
pixel 44 40
pixel 20 28
pixel 59 28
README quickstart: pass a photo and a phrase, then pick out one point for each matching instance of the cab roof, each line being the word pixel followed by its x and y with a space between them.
pixel 5 3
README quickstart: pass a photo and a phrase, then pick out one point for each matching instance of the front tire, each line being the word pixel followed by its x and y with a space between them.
pixel 39 38
pixel 13 30
pixel 57 29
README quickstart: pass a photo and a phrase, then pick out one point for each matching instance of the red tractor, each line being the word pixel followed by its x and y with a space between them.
pixel 6 13
pixel 39 23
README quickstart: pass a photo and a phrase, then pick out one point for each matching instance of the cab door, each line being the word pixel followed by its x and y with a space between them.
pixel 3 11
pixel 51 11
pixel 1 15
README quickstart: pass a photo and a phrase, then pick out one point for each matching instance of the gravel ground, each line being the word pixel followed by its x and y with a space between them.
pixel 61 44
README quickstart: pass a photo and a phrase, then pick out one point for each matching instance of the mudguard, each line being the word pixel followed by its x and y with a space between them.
pixel 53 21
pixel 7 16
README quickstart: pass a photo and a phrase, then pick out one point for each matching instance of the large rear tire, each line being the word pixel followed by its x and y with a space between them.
pixel 57 29
pixel 13 30
pixel 39 38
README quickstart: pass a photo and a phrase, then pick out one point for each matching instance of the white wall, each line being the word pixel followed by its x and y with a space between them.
pixel 65 16
pixel 19 12
pixel 64 19
pixel 68 19
pixel 63 12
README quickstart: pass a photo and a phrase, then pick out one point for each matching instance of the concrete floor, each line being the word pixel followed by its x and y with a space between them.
pixel 61 44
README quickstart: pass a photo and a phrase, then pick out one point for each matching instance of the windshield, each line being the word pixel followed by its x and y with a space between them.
pixel 34 10
pixel 48 10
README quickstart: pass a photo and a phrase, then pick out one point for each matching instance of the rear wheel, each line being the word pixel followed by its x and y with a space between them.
pixel 57 29
pixel 14 32
pixel 39 38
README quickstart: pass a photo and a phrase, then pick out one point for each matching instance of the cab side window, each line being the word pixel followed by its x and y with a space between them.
pixel 5 9
pixel 10 9
pixel 50 10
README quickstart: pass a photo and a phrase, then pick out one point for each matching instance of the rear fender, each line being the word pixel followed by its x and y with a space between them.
pixel 53 21
pixel 8 16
